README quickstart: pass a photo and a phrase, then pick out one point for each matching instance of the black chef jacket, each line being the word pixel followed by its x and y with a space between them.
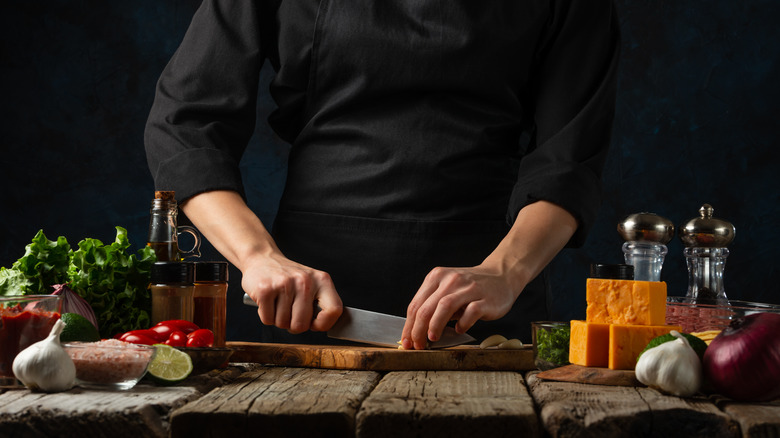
pixel 418 128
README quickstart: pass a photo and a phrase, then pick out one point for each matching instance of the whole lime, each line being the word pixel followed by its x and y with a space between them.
pixel 696 343
pixel 78 329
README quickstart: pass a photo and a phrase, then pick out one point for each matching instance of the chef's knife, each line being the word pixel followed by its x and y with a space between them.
pixel 375 328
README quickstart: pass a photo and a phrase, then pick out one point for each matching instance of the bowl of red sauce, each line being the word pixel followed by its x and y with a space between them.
pixel 24 320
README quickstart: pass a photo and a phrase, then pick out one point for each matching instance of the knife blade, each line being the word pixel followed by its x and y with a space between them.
pixel 375 328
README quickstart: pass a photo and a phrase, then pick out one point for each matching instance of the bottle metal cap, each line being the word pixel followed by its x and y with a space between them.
pixel 646 227
pixel 211 271
pixel 172 273
pixel 614 272
pixel 706 231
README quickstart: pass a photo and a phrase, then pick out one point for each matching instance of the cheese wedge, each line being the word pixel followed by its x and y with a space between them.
pixel 589 343
pixel 626 302
pixel 627 341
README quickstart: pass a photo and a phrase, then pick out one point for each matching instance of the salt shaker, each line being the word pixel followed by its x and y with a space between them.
pixel 706 239
pixel 646 236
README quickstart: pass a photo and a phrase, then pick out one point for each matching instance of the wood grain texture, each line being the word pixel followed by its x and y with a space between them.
pixel 757 420
pixel 465 357
pixel 91 413
pixel 570 410
pixel 279 402
pixel 591 375
pixel 448 403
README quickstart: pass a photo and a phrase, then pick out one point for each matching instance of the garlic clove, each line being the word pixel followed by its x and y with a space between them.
pixel 45 365
pixel 672 367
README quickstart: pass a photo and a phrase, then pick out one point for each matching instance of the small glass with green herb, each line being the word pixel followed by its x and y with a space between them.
pixel 551 344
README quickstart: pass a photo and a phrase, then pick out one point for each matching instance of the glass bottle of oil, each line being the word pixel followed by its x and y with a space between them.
pixel 164 230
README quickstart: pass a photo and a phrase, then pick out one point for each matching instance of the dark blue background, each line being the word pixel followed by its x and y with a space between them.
pixel 697 118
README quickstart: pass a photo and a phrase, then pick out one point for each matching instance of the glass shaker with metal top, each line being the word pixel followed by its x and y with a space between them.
pixel 646 236
pixel 706 239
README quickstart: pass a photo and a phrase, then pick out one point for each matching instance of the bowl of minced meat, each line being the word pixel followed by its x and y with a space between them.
pixel 110 363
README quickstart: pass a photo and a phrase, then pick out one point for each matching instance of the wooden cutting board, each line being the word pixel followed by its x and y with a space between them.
pixel 464 357
pixel 591 375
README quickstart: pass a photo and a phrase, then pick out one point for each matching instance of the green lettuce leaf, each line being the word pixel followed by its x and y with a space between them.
pixel 44 264
pixel 114 282
pixel 111 279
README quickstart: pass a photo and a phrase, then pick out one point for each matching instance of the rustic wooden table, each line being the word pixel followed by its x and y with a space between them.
pixel 269 401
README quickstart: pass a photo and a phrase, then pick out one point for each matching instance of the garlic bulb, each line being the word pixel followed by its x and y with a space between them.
pixel 45 365
pixel 672 367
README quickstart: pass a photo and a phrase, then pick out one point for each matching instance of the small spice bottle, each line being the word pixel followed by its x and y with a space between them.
pixel 210 298
pixel 172 287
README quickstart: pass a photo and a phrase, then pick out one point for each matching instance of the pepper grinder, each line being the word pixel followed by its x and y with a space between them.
pixel 705 239
pixel 646 236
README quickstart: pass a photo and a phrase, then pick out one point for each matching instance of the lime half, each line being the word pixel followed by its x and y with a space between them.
pixel 169 365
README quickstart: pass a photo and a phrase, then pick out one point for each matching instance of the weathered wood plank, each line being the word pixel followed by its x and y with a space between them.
pixel 580 410
pixel 278 402
pixel 757 420
pixel 139 412
pixel 448 403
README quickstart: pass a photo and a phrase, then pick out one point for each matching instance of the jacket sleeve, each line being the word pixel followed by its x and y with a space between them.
pixel 204 108
pixel 574 103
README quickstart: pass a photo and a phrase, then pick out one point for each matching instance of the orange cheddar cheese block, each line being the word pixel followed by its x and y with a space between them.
pixel 627 341
pixel 626 301
pixel 589 343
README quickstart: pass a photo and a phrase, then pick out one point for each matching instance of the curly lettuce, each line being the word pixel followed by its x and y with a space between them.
pixel 111 279
pixel 44 263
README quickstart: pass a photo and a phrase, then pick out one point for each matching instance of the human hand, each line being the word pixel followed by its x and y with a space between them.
pixel 462 294
pixel 285 292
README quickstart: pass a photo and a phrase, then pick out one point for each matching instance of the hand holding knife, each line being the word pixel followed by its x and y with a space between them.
pixel 374 328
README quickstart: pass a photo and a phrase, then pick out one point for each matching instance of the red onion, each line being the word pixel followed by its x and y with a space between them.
pixel 743 361
pixel 74 303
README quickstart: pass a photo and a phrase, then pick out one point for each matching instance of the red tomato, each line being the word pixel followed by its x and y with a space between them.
pixel 200 338
pixel 137 339
pixel 177 339
pixel 183 325
pixel 164 330
pixel 145 333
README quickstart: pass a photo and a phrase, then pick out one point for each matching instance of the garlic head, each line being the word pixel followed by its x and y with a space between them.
pixel 672 367
pixel 45 365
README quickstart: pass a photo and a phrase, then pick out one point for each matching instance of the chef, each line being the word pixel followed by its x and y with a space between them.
pixel 442 153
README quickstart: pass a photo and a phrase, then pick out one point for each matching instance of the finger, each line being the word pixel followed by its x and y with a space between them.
pixel 471 314
pixel 329 302
pixel 302 313
pixel 445 310
pixel 429 286
pixel 266 308
pixel 283 305
pixel 419 334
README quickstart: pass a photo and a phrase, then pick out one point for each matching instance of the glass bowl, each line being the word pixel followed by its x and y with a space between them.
pixel 24 320
pixel 109 364
pixel 551 344
pixel 698 317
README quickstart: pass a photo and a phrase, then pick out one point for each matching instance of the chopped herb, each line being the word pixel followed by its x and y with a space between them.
pixel 552 345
